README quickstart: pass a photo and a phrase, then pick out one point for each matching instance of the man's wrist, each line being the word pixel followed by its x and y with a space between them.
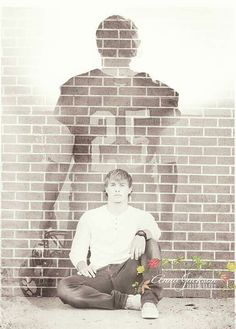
pixel 142 233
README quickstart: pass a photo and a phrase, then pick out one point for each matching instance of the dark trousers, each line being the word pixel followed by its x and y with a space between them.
pixel 112 284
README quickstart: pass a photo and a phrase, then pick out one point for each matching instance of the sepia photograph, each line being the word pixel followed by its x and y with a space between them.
pixel 117 200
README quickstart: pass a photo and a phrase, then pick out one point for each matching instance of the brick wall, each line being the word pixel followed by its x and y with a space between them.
pixel 183 174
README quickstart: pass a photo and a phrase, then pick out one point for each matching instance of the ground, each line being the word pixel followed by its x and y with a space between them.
pixel 175 313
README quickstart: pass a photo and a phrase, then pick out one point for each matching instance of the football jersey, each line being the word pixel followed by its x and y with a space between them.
pixel 117 123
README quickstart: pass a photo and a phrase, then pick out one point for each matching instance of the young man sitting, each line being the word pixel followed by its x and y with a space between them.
pixel 125 255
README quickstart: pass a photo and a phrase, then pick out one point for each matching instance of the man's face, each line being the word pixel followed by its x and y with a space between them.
pixel 118 191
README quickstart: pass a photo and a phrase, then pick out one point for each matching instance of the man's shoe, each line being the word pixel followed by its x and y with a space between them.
pixel 149 311
pixel 133 302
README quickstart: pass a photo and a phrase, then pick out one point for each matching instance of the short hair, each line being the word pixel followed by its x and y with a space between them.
pixel 118 174
pixel 117 37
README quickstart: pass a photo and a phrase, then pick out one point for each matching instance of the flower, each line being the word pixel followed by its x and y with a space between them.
pixel 224 277
pixel 140 269
pixel 153 263
pixel 231 266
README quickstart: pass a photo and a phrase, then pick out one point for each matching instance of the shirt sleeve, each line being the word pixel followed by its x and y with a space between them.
pixel 147 222
pixel 81 242
pixel 64 110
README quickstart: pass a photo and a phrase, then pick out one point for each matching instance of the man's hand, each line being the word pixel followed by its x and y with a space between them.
pixel 86 270
pixel 137 247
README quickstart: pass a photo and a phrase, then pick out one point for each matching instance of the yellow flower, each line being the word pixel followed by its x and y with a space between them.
pixel 231 266
pixel 140 269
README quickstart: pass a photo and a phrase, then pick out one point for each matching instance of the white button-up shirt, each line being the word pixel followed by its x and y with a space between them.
pixel 109 236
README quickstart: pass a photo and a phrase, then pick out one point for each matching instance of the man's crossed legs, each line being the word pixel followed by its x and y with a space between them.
pixel 113 284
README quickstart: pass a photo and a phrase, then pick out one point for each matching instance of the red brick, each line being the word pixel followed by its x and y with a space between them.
pixel 189 131
pixel 7 233
pixel 226 179
pixel 117 101
pixel 173 141
pixel 226 122
pixel 6 253
pixel 69 90
pixel 226 141
pixel 225 198
pixel 93 81
pixel 173 254
pixel 31 120
pixel 225 255
pixel 132 91
pixel 216 189
pixel 8 196
pixel 165 245
pixel 203 122
pixel 179 217
pixel 202 160
pixel 30 177
pixel 8 177
pixel 202 179
pixel 187 245
pixel 189 150
pixel 15 205
pixel 215 227
pixel 216 170
pixel 87 196
pixel 189 189
pixel 225 160
pixel 173 236
pixel 201 236
pixel 146 101
pixel 17 90
pixel 144 197
pixel 93 205
pixel 169 101
pixel 202 198
pixel 103 91
pixel 17 148
pixel 160 91
pixel 165 226
pixel 8 129
pixel 203 254
pixel 15 167
pixel 14 224
pixel 216 151
pixel 224 236
pixel 28 100
pixel 14 243
pixel 215 246
pixel 202 217
pixel 116 25
pixel 187 207
pixel 216 208
pixel 217 132
pixel 108 34
pixel 29 158
pixel 27 234
pixel 187 227
pixel 117 43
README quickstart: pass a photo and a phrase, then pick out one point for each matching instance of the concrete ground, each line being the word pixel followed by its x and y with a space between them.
pixel 175 313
